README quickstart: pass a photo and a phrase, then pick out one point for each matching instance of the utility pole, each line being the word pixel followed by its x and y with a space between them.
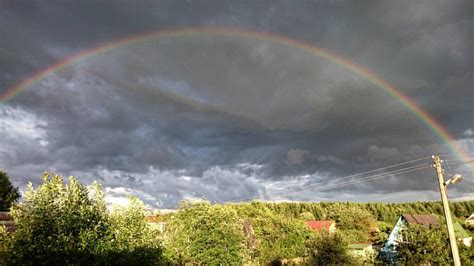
pixel 447 212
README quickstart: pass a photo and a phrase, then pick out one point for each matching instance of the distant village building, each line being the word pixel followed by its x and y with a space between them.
pixel 362 250
pixel 7 221
pixel 156 221
pixel 461 234
pixel 329 226
pixel 388 251
pixel 428 220
pixel 470 220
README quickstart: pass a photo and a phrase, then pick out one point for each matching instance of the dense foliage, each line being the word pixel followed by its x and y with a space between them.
pixel 8 193
pixel 132 240
pixel 277 236
pixel 423 245
pixel 65 224
pixel 205 234
pixel 330 249
pixel 382 212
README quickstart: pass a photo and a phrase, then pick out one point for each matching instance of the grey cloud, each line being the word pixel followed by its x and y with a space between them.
pixel 197 116
pixel 377 153
pixel 296 156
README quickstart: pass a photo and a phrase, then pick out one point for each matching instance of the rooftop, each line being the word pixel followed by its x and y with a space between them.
pixel 459 231
pixel 318 225
pixel 422 219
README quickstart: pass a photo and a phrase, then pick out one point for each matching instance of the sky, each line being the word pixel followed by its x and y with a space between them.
pixel 231 117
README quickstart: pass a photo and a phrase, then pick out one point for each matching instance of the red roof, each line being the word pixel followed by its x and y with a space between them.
pixel 318 225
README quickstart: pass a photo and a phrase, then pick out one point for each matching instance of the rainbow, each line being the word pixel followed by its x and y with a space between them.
pixel 423 116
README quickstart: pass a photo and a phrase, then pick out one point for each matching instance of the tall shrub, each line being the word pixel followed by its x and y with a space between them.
pixel 205 234
pixel 68 224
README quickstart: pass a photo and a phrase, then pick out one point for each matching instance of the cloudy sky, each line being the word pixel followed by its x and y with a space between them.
pixel 231 117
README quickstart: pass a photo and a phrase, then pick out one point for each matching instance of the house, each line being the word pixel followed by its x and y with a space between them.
pixel 7 221
pixel 429 220
pixel 461 234
pixel 388 252
pixel 470 220
pixel 362 250
pixel 329 226
pixel 156 222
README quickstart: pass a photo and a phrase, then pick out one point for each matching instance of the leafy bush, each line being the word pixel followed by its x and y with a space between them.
pixel 133 241
pixel 205 234
pixel 68 224
pixel 330 249
pixel 422 245
pixel 278 237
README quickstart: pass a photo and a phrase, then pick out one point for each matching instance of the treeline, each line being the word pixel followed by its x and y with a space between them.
pixel 383 212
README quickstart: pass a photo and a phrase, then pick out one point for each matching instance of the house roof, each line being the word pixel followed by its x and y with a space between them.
pixel 318 225
pixel 153 218
pixel 459 231
pixel 422 219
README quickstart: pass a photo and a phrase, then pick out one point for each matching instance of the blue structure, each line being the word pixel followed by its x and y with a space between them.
pixel 389 252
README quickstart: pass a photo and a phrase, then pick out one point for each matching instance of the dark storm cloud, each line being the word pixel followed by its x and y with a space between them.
pixel 232 117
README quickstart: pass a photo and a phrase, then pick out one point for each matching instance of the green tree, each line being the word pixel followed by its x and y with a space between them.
pixel 8 193
pixel 278 236
pixel 68 224
pixel 205 234
pixel 307 216
pixel 466 254
pixel 133 241
pixel 330 249
pixel 58 223
pixel 421 244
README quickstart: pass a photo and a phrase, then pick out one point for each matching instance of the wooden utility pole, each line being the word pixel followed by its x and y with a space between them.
pixel 447 212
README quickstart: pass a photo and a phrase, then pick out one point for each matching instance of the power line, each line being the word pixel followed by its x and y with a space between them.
pixel 371 171
pixel 455 155
pixel 384 173
pixel 459 172
pixel 456 160
pixel 468 162
pixel 351 182
pixel 328 184
pixel 298 189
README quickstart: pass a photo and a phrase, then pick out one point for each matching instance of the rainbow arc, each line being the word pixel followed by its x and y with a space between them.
pixel 423 116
